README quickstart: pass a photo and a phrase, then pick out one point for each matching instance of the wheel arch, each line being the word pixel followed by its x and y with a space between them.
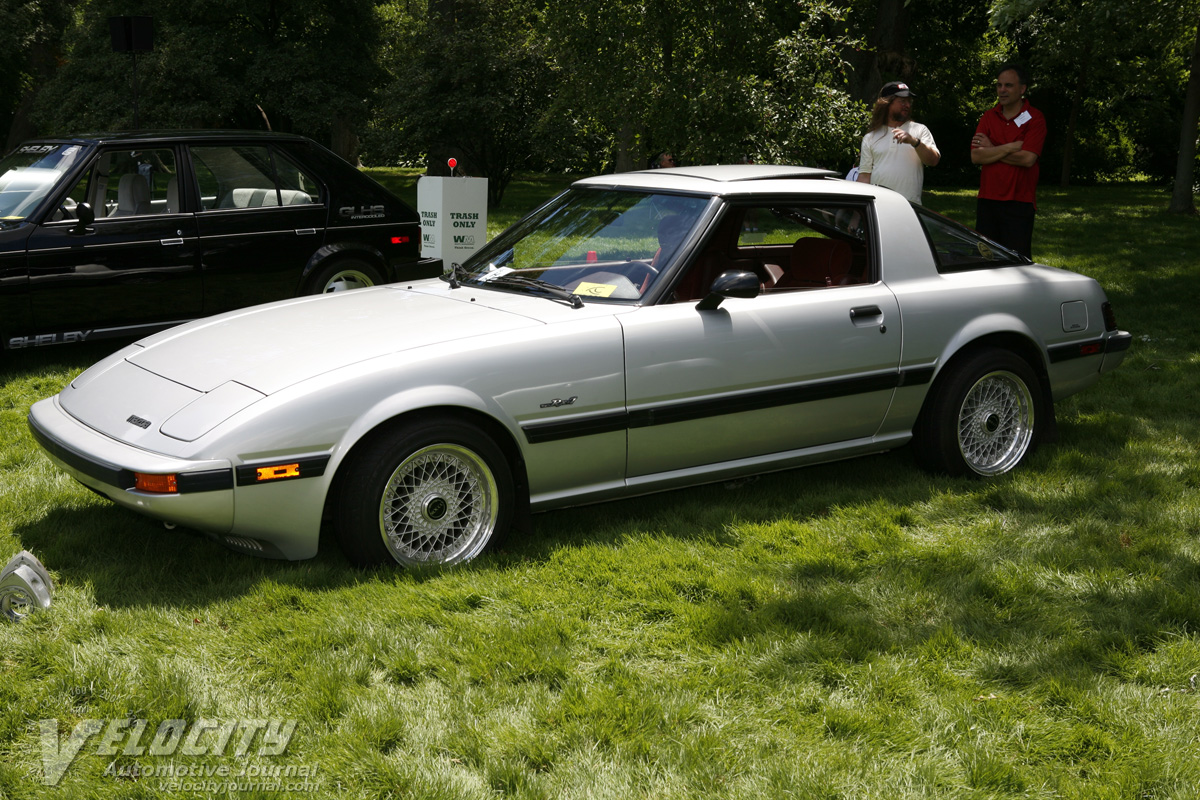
pixel 488 424
pixel 331 253
pixel 1024 347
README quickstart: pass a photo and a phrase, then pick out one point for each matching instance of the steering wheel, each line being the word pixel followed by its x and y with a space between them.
pixel 640 273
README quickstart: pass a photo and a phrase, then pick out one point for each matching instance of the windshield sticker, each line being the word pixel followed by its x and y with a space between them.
pixel 588 289
pixel 494 272
pixel 38 148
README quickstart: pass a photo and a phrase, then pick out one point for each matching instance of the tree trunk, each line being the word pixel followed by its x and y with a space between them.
pixel 625 144
pixel 344 141
pixel 442 15
pixel 884 54
pixel 1182 200
pixel 1072 122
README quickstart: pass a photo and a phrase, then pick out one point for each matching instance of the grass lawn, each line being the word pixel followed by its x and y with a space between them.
pixel 854 630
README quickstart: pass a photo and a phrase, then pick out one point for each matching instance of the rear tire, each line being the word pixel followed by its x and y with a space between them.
pixel 434 492
pixel 983 420
pixel 345 274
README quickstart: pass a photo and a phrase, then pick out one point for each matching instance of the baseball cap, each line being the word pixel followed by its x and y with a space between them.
pixel 896 89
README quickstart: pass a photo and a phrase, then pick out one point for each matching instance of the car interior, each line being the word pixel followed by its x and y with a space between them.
pixel 787 247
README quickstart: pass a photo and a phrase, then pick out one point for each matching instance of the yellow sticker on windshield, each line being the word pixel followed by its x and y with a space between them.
pixel 984 250
pixel 588 289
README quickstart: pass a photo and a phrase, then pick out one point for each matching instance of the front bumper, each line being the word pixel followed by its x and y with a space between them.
pixel 206 488
pixel 281 520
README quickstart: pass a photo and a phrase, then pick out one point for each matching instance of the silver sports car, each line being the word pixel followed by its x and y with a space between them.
pixel 639 332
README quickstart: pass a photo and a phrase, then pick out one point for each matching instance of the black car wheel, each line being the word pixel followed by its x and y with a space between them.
pixel 432 491
pixel 342 276
pixel 983 419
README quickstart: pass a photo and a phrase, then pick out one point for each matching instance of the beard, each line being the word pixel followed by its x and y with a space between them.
pixel 898 115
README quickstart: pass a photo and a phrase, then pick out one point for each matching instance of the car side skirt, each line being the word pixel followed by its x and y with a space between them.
pixel 710 473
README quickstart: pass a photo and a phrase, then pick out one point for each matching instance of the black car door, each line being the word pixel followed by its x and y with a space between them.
pixel 136 264
pixel 262 217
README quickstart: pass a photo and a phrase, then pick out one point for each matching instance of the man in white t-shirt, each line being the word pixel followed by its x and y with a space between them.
pixel 896 150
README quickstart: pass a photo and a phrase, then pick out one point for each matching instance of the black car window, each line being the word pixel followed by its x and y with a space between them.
pixel 235 176
pixel 296 185
pixel 957 248
pixel 130 183
pixel 250 176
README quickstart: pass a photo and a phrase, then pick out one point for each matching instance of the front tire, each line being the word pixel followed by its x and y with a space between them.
pixel 984 419
pixel 433 492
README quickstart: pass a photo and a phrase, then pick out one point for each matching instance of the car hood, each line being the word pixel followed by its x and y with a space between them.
pixel 268 348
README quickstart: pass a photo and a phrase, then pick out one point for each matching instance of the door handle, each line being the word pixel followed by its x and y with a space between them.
pixel 170 241
pixel 305 231
pixel 858 312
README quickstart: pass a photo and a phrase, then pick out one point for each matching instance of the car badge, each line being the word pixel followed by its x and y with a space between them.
pixel 136 420
pixel 559 402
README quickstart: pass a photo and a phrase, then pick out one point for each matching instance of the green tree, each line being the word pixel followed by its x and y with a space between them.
pixel 307 66
pixel 470 80
pixel 711 81
pixel 30 44
pixel 1101 55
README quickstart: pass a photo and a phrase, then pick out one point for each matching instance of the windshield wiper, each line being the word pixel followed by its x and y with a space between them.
pixel 456 274
pixel 552 289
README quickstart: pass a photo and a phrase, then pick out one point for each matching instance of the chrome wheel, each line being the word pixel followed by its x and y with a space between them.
pixel 995 423
pixel 439 506
pixel 346 279
pixel 983 415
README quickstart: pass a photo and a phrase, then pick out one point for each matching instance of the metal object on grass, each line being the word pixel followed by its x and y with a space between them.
pixel 25 587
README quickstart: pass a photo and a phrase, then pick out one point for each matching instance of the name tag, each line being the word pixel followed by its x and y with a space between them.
pixel 1022 118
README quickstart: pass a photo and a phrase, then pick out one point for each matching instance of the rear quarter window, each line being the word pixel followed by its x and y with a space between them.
pixel 957 248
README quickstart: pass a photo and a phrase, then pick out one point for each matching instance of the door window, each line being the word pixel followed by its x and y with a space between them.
pixel 247 176
pixel 130 183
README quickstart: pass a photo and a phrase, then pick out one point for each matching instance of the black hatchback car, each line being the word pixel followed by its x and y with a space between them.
pixel 123 234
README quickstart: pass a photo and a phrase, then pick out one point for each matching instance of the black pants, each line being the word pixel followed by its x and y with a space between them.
pixel 1007 222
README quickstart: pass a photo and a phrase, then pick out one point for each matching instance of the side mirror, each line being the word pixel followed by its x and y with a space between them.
pixel 84 217
pixel 731 283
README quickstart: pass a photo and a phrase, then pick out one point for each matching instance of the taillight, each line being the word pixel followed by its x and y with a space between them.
pixel 1110 317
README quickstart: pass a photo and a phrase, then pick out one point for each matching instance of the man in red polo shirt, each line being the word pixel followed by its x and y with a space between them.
pixel 1007 145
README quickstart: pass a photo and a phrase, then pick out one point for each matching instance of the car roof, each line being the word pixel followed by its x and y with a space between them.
pixel 169 136
pixel 731 179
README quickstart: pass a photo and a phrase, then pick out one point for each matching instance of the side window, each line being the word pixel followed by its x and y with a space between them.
pixel 131 183
pixel 807 246
pixel 296 185
pixel 957 248
pixel 250 176
pixel 234 176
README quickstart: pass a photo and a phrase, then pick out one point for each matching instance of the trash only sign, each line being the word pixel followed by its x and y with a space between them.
pixel 453 217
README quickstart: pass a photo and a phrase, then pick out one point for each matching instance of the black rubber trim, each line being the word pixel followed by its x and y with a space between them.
pixel 212 480
pixel 610 422
pixel 1115 343
pixel 102 471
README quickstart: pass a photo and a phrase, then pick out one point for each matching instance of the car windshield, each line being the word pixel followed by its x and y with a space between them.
pixel 601 244
pixel 31 172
